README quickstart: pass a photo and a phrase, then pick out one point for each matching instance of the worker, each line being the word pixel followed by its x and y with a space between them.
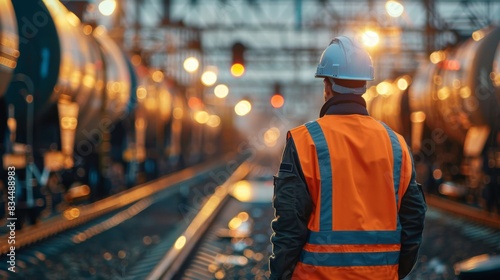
pixel 346 202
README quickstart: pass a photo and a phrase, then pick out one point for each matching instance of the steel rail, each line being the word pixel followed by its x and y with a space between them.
pixel 165 186
pixel 172 261
pixel 461 210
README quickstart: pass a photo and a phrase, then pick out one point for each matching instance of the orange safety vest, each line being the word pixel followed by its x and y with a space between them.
pixel 356 170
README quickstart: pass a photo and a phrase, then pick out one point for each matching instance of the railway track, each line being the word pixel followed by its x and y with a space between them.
pixel 226 253
pixel 225 235
pixel 234 246
pixel 233 256
pixel 450 240
pixel 124 235
pixel 464 211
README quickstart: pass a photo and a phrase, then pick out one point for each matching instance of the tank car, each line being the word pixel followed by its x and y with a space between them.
pixel 452 116
pixel 71 84
pixel 388 102
pixel 79 121
pixel 461 109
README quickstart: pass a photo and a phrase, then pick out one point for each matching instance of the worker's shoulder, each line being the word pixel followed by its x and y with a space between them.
pixel 400 138
pixel 390 130
pixel 299 130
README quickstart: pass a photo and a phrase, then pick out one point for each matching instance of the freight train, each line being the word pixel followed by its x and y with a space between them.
pixel 79 121
pixel 448 111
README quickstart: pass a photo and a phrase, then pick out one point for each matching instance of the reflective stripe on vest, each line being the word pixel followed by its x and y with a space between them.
pixel 325 170
pixel 349 259
pixel 387 255
pixel 397 156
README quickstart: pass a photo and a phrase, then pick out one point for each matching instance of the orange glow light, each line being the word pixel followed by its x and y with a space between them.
pixel 195 103
pixel 237 69
pixel 450 64
pixel 277 101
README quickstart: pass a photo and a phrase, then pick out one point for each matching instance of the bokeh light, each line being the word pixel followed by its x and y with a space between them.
pixel 394 8
pixel 242 108
pixel 277 101
pixel 209 77
pixel 107 7
pixel 191 64
pixel 221 91
pixel 237 69
pixel 370 38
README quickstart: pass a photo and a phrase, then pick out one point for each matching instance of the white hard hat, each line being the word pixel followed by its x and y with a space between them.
pixel 345 59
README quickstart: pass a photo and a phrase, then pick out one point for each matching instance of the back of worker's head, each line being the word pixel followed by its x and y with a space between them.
pixel 346 65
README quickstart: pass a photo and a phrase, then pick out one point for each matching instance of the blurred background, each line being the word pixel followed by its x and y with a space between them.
pixel 112 105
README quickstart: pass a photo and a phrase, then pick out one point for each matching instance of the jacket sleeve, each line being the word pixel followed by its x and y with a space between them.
pixel 292 208
pixel 411 217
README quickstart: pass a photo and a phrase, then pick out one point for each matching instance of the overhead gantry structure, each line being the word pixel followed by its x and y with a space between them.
pixel 284 39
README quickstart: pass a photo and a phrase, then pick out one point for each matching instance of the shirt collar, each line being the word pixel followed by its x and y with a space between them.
pixel 344 104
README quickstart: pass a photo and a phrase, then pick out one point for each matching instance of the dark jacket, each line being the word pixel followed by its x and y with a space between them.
pixel 293 204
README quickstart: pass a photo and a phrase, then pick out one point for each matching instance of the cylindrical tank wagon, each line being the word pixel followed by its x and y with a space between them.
pixel 78 119
pixel 451 110
pixel 70 84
